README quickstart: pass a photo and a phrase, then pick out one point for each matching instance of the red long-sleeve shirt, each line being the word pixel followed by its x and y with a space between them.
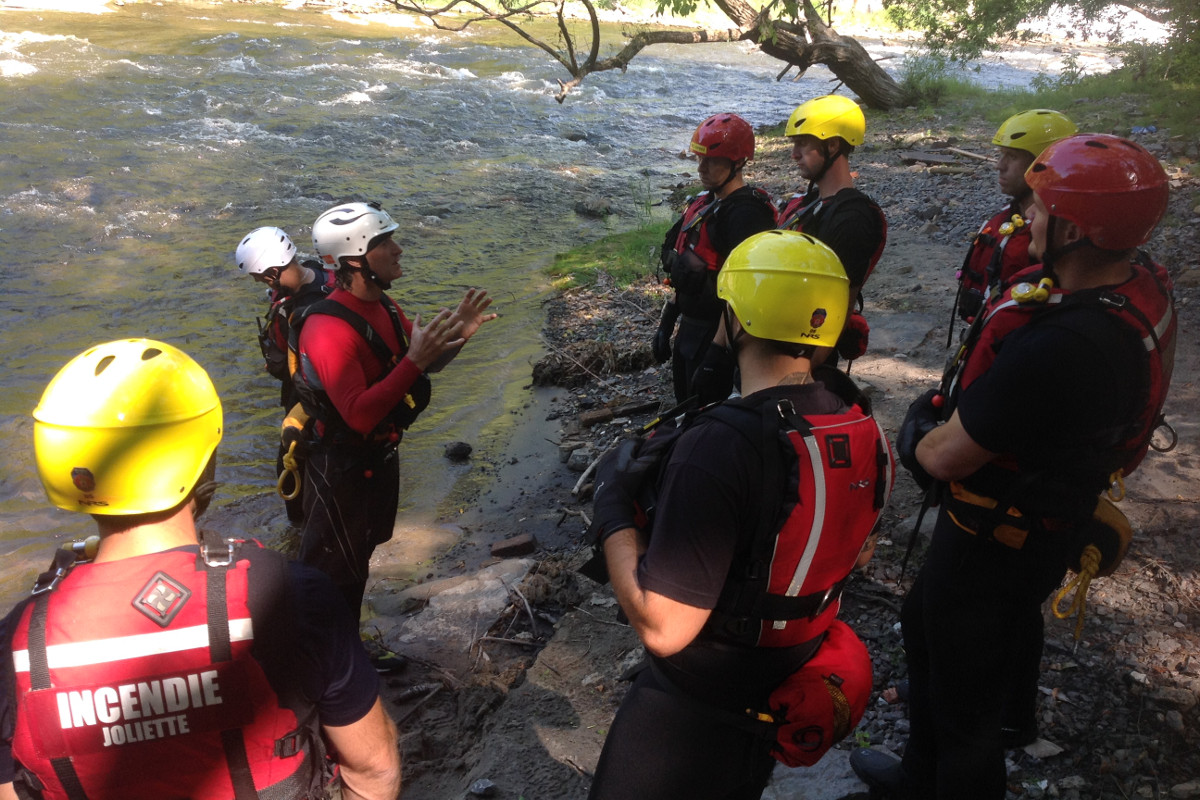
pixel 348 367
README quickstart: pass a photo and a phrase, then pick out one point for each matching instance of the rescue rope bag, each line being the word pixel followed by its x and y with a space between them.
pixel 185 690
pixel 311 392
pixel 822 702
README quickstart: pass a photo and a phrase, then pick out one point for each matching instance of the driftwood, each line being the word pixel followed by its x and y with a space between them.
pixel 914 156
pixel 969 154
pixel 944 169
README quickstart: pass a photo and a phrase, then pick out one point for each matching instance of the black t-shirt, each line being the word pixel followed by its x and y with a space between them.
pixel 850 224
pixel 1060 393
pixel 741 215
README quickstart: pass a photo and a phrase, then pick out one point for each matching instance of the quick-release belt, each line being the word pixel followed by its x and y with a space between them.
pixel 980 515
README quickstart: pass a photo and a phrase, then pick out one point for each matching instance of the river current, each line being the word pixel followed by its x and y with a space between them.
pixel 138 147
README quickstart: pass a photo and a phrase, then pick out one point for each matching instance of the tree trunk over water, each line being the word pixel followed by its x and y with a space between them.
pixel 797 43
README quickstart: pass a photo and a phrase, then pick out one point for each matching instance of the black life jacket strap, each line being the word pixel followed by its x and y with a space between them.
pixel 385 355
pixel 216 555
pixel 39 678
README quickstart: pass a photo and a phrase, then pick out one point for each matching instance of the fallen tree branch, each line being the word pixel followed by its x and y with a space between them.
pixel 968 154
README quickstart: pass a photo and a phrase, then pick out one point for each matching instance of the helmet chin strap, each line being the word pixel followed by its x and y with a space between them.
pixel 733 173
pixel 826 161
pixel 370 275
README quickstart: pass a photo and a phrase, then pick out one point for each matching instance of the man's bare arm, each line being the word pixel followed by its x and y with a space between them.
pixel 368 756
pixel 948 452
pixel 665 626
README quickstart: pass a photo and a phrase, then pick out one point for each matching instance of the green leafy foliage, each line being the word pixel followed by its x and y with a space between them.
pixel 625 256
pixel 926 80
pixel 964 28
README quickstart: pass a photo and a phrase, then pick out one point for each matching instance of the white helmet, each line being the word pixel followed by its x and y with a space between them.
pixel 264 248
pixel 348 230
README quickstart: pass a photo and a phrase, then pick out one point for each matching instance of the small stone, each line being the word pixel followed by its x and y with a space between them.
pixel 483 788
pixel 1175 697
pixel 579 460
pixel 458 451
pixel 1181 791
pixel 520 545
pixel 1043 749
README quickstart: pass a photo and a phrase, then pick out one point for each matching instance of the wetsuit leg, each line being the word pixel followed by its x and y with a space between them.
pixel 691 343
pixel 661 746
pixel 350 499
pixel 955 636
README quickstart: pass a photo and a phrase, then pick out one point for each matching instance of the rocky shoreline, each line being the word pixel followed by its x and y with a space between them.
pixel 521 708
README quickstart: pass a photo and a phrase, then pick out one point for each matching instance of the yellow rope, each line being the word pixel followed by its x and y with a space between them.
pixel 1116 486
pixel 1089 565
pixel 291 469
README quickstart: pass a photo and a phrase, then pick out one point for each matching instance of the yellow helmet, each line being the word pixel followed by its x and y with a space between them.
pixel 786 286
pixel 124 428
pixel 1034 131
pixel 827 117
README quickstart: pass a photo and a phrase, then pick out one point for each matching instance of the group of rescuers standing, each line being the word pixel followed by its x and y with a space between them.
pixel 161 660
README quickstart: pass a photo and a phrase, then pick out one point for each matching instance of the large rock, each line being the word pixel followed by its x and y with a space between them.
pixel 457 611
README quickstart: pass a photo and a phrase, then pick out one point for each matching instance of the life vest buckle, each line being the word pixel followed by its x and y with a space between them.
pixel 56 578
pixel 217 555
pixel 831 595
pixel 289 745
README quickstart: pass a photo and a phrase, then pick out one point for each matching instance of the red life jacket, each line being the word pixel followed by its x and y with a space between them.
pixel 693 233
pixel 1144 303
pixel 691 258
pixel 833 476
pixel 998 252
pixel 273 328
pixel 147 678
pixel 808 213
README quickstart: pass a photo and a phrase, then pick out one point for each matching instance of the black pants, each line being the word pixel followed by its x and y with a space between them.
pixel 968 622
pixel 691 343
pixel 350 497
pixel 664 747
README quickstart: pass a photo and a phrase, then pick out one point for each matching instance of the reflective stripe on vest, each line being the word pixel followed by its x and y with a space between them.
pixel 119 693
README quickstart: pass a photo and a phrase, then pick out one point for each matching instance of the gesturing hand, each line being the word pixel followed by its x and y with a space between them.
pixel 470 312
pixel 428 343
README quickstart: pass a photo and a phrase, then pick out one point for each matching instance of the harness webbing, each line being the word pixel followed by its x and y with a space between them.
pixel 216 556
pixel 39 678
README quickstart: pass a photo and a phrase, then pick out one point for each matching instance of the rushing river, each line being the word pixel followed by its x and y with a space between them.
pixel 138 147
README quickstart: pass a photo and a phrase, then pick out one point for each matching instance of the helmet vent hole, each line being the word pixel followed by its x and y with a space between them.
pixel 1017 135
pixel 1097 145
pixel 150 352
pixel 103 364
pixel 1039 167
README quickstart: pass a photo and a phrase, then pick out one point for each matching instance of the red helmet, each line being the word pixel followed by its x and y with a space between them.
pixel 724 136
pixel 1112 188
